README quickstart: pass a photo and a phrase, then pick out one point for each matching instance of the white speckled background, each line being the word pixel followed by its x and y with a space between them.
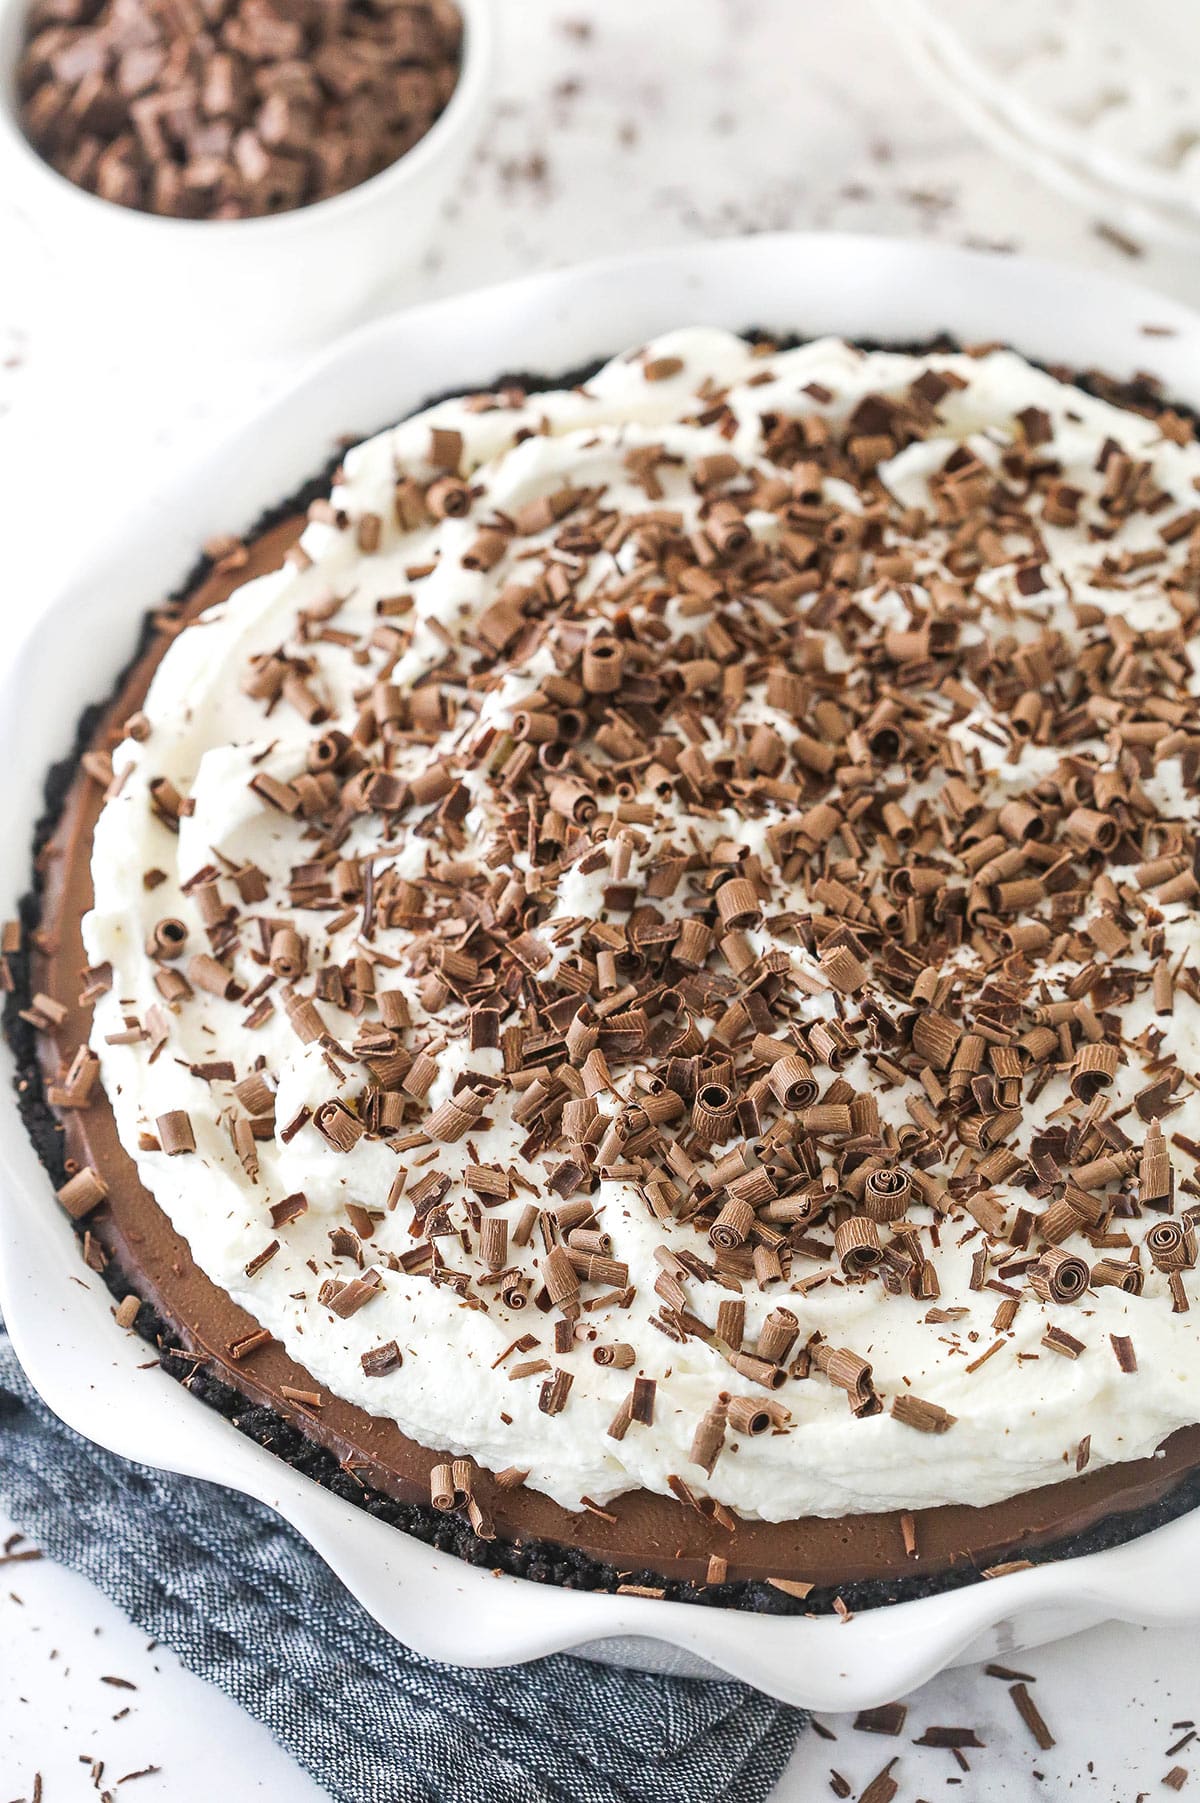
pixel 618 124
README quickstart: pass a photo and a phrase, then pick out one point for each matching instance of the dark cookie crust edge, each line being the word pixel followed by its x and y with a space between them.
pixel 539 1562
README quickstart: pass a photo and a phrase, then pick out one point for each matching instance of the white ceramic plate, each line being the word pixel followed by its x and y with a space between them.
pixel 61 1324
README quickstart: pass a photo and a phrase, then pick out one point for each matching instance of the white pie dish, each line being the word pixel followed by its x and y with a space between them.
pixel 64 1334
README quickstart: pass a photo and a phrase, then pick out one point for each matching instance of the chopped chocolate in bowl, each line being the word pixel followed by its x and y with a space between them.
pixel 714 1096
pixel 232 109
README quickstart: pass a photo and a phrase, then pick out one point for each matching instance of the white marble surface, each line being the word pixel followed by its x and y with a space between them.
pixel 1113 1699
pixel 618 124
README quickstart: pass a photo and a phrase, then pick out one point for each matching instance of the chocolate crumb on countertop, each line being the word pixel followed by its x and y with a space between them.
pixel 1031 1715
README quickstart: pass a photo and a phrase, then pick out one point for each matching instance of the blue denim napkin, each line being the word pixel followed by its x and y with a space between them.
pixel 249 1606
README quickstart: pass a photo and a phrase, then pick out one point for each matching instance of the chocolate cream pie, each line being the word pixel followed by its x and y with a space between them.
pixel 621 987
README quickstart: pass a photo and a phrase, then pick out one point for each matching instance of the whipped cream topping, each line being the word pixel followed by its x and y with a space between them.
pixel 402 580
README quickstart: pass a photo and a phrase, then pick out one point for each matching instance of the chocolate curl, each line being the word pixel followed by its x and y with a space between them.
pixel 613 1272
pixel 755 1187
pixel 263 678
pixel 420 1075
pixel 205 972
pixel 603 666
pixel 1172 1246
pixel 251 885
pixel 514 1291
pixel 486 551
pixel 846 972
pixel 1095 1068
pixel 1157 871
pixel 850 1373
pixel 714 1113
pixel 832 1118
pixel 731 1322
pixel 1127 1277
pixel 967 1063
pixel 618 1427
pixel 1109 1168
pixel 245 1146
pixel 765 751
pixel 1091 830
pixel 767 1265
pixel 732 1226
pixel 213 909
pixel 1039 1045
pixel 777 1336
pixel 709 1437
pixel 712 471
pixel 738 904
pixel 694 944
pixel 989 1212
pixel 338 1126
pixel 581 1038
pixel 455 1116
pixel 534 727
pixel 1020 819
pixel 620 1355
pixel 287 954
pixel 552 1398
pixel 726 528
pixel 562 1282
pixel 1059 1276
pixel 1059 1221
pixel 573 799
pixel 936 1039
pixel 739 954
pixel 659 1109
pixel 1180 888
pixel 887 1193
pixel 527 1221
pixel 166 802
pixel 175 1132
pixel 83 1192
pixel 166 939
pixel 493 1242
pixel 441 1488
pixel 1156 1179
pixel 76 1086
pixel 591 1240
pixel 792 1082
pixel 757 1371
pixel 356 1294
pixel 569 1215
pixel 750 1416
pixel 308 704
pixel 926 1417
pixel 448 498
pixel 856 1245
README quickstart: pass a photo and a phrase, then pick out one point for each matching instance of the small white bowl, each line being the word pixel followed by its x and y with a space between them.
pixel 245 284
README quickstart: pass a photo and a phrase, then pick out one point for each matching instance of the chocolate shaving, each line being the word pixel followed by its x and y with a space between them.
pixel 1031 1715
